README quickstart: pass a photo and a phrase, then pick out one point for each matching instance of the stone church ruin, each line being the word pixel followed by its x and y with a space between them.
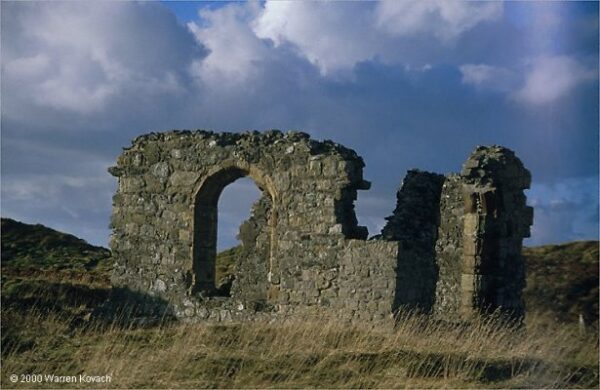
pixel 452 246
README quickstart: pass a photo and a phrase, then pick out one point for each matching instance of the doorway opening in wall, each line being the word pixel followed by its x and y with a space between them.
pixel 234 209
pixel 233 228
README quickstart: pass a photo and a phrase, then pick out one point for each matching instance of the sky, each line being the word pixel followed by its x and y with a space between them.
pixel 405 84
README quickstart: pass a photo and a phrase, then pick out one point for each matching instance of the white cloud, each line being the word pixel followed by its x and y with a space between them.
pixel 337 36
pixel 235 51
pixel 46 189
pixel 543 80
pixel 25 68
pixel 477 74
pixel 46 185
pixel 488 76
pixel 79 58
pixel 550 78
pixel 446 20
pixel 331 36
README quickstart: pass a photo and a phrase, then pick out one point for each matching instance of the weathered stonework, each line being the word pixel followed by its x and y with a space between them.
pixel 451 247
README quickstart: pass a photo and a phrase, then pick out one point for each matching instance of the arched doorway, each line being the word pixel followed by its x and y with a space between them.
pixel 260 224
pixel 237 219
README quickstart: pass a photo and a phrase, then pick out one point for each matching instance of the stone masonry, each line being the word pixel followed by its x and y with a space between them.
pixel 451 247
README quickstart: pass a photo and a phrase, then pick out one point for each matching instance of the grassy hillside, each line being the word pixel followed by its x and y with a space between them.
pixel 226 262
pixel 51 271
pixel 53 285
pixel 563 280
pixel 25 246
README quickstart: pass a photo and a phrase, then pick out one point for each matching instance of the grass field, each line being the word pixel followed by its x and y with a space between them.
pixel 51 326
pixel 418 353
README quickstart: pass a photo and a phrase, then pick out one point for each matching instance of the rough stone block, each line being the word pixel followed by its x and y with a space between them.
pixel 184 179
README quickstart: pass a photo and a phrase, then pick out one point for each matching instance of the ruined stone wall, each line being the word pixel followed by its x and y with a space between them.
pixel 451 247
pixel 462 237
pixel 496 221
pixel 414 224
pixel 251 279
pixel 448 248
pixel 165 222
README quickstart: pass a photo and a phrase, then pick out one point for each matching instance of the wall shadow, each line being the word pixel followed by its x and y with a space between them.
pixel 81 304
pixel 414 225
pixel 128 308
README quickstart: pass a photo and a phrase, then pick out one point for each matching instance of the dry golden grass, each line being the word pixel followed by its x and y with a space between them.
pixel 53 283
pixel 417 353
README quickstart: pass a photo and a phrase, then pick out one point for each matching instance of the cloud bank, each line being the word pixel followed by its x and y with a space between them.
pixel 406 84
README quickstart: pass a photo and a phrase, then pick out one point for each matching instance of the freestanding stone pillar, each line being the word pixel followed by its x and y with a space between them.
pixel 496 221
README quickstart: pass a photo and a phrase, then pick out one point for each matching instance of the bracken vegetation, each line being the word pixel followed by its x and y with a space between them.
pixel 54 321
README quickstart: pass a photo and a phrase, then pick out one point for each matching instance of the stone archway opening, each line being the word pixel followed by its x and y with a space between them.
pixel 236 207
pixel 207 278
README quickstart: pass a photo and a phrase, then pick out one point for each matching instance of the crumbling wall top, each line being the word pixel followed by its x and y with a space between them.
pixel 276 141
pixel 496 166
